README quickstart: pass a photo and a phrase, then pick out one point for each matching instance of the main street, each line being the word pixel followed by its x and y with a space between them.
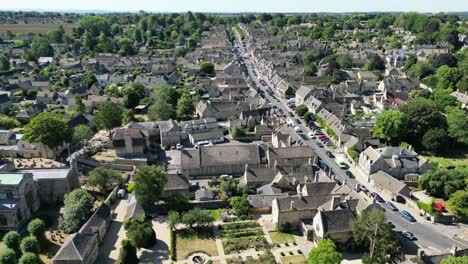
pixel 427 235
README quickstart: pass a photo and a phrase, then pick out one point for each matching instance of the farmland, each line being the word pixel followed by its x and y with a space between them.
pixel 34 28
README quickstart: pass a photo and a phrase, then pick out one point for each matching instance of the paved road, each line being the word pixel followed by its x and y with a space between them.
pixel 427 236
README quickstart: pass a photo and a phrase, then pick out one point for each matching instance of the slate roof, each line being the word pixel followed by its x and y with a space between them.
pixel 337 221
pixel 97 220
pixel 75 247
pixel 176 182
pixel 220 155
pixel 290 152
pixel 304 202
pixel 254 175
pixel 387 182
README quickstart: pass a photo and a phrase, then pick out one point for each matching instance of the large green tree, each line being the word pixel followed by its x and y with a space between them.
pixel 442 182
pixel 161 110
pixel 29 258
pixel 390 125
pixel 207 68
pixel 37 228
pixel 197 218
pixel 325 252
pixel 436 140
pixel 371 231
pixel 48 128
pixel 77 206
pixel 108 116
pixel 8 122
pixel 421 115
pixel 79 105
pixel 4 63
pixel 104 178
pixel 141 234
pixel 81 134
pixel 457 120
pixel 458 203
pixel 128 253
pixel 30 244
pixel 240 205
pixel 40 47
pixel 12 241
pixel 185 108
pixel 149 184
pixel 8 256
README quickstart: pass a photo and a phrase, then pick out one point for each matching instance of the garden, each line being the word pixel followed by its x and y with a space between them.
pixel 190 241
pixel 240 236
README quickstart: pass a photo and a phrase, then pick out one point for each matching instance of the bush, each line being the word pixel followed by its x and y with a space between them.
pixel 130 187
pixel 29 258
pixel 8 256
pixel 128 253
pixel 12 241
pixel 36 228
pixel 301 110
pixel 141 234
pixel 30 244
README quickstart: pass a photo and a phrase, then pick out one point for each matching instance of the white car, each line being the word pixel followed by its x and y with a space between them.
pixel 297 129
pixel 311 135
pixel 179 146
pixel 407 235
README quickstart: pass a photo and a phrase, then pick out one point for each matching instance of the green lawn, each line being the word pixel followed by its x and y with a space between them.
pixel 189 241
pixel 281 238
pixel 299 259
pixel 215 214
pixel 449 161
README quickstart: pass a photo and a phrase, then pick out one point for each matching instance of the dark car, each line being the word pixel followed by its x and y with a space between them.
pixel 377 197
pixel 407 216
pixel 349 174
pixel 329 154
pixel 338 182
pixel 390 206
pixel 320 145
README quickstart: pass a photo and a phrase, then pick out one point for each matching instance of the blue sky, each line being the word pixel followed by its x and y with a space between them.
pixel 240 5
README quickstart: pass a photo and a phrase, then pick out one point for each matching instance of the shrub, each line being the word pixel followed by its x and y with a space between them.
pixel 172 246
pixel 30 244
pixel 37 229
pixel 8 256
pixel 130 187
pixel 128 253
pixel 12 241
pixel 141 234
pixel 29 258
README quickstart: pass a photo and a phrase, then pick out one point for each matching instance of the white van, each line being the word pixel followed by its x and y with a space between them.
pixel 121 193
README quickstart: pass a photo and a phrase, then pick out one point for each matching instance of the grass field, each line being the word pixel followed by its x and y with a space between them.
pixel 449 161
pixel 281 238
pixel 300 259
pixel 188 242
pixel 34 28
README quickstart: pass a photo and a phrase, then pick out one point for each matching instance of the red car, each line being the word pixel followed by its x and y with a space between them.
pixel 439 207
pixel 322 137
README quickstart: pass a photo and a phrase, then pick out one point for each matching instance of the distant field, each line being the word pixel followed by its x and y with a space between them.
pixel 33 28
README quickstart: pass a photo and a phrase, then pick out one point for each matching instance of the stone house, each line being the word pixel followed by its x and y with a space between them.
pixel 399 84
pixel 170 132
pixel 290 156
pixel 395 161
pixel 388 185
pixel 129 141
pixel 303 93
pixel 334 224
pixel 18 199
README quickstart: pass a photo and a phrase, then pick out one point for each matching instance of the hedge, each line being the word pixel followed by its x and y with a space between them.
pixel 172 246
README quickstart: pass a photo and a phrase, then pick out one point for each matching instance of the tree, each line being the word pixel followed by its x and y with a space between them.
pixel 128 253
pixel 89 79
pixel 236 132
pixel 435 140
pixel 420 69
pixel 126 46
pixel 301 109
pixel 40 47
pixel 311 70
pixel 12 241
pixel 48 128
pixel 197 218
pixel 8 256
pixel 141 234
pixel 376 63
pixel 4 63
pixel 307 116
pixel 185 108
pixel 442 182
pixel 207 68
pixel 240 205
pixel 173 218
pixel 29 258
pixel 371 231
pixel 7 122
pixel 81 134
pixel 421 115
pixel 79 105
pixel 290 93
pixel 77 206
pixel 112 90
pixel 458 203
pixel 128 116
pixel 36 228
pixel 390 125
pixel 444 59
pixel 108 116
pixel 131 99
pixel 104 178
pixel 325 252
pixel 448 77
pixel 345 60
pixel 179 52
pixel 455 260
pixel 149 184
pixel 457 120
pixel 167 94
pixel 161 110
pixel 30 244
pixel 178 202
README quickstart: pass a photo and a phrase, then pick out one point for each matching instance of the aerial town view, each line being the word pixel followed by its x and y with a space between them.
pixel 234 132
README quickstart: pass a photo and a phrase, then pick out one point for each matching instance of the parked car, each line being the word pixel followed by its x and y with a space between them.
pixel 319 144
pixel 407 235
pixel 362 188
pixel 390 206
pixel 439 207
pixel 338 182
pixel 377 197
pixel 179 146
pixel 349 174
pixel 297 129
pixel 329 154
pixel 311 135
pixel 407 216
pixel 389 223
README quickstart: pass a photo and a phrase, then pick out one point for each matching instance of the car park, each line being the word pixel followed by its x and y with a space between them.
pixel 391 206
pixel 407 216
pixel 408 235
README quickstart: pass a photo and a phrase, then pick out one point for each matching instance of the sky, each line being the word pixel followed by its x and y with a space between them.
pixel 240 5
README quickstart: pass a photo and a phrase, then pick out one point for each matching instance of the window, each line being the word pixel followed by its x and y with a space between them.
pixel 9 195
pixel 3 220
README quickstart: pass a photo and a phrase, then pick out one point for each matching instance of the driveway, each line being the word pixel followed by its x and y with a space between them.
pixel 109 251
pixel 159 253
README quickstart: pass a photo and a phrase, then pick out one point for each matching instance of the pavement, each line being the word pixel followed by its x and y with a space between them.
pixel 429 236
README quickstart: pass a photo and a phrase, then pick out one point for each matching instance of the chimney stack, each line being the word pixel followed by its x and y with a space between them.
pixel 335 201
pixel 316 176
